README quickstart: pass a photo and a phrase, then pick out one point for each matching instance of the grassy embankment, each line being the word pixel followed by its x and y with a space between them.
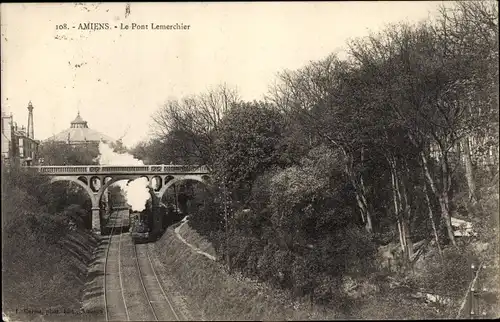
pixel 47 282
pixel 211 293
pixel 46 249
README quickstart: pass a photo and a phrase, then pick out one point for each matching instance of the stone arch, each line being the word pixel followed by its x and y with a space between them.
pixel 96 217
pixel 119 178
pixel 181 178
pixel 95 181
pixel 83 179
pixel 85 187
pixel 159 181
pixel 110 182
pixel 167 179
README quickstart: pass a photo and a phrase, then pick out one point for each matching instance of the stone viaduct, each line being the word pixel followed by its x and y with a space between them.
pixel 95 179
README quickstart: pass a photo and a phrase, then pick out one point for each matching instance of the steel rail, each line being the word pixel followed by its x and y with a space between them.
pixel 157 281
pixel 119 271
pixel 161 287
pixel 143 285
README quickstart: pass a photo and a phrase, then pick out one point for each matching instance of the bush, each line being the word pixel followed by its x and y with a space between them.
pixel 205 213
pixel 298 229
pixel 448 279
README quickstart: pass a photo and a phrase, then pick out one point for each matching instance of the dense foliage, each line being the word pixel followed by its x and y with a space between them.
pixel 347 157
pixel 45 242
pixel 58 153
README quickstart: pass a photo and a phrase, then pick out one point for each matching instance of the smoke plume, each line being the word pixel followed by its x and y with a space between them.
pixel 135 192
pixel 109 157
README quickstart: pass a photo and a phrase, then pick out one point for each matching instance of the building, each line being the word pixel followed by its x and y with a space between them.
pixel 7 133
pixel 79 133
pixel 18 143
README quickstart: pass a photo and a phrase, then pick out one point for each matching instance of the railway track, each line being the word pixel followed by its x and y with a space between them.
pixel 114 299
pixel 160 304
pixel 143 297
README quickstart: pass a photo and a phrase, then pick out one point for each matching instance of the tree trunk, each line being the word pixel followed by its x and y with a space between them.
pixel 407 213
pixel 406 224
pixel 358 190
pixel 176 199
pixel 368 226
pixel 361 207
pixel 442 195
pixel 445 213
pixel 469 171
pixel 397 208
pixel 444 199
pixel 431 218
pixel 226 228
pixel 402 218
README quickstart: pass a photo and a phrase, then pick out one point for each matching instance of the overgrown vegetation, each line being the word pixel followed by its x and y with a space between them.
pixel 345 180
pixel 45 244
pixel 212 293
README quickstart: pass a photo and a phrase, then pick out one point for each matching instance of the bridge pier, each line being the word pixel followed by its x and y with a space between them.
pixel 96 219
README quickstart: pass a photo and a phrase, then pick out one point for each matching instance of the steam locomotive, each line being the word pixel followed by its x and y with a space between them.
pixel 149 224
pixel 140 229
pixel 142 223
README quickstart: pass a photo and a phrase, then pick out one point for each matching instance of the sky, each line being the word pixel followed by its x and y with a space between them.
pixel 118 78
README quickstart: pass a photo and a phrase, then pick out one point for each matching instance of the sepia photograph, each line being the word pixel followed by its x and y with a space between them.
pixel 259 161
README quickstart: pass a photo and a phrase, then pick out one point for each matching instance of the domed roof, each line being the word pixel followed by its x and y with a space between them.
pixel 79 132
pixel 78 120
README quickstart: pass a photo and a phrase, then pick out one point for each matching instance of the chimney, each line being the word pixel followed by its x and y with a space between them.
pixel 31 130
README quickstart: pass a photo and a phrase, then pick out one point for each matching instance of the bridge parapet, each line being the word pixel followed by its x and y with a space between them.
pixel 121 169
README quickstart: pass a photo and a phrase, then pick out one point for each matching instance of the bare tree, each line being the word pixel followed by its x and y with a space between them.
pixel 197 119
pixel 434 84
pixel 469 30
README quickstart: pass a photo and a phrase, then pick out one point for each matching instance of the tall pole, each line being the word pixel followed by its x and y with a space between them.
pixel 31 135
pixel 176 203
pixel 472 311
pixel 31 130
pixel 226 203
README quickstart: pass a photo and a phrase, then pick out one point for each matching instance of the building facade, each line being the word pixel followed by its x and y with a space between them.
pixel 18 144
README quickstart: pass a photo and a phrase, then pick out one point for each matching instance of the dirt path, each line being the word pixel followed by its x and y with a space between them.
pixel 195 249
